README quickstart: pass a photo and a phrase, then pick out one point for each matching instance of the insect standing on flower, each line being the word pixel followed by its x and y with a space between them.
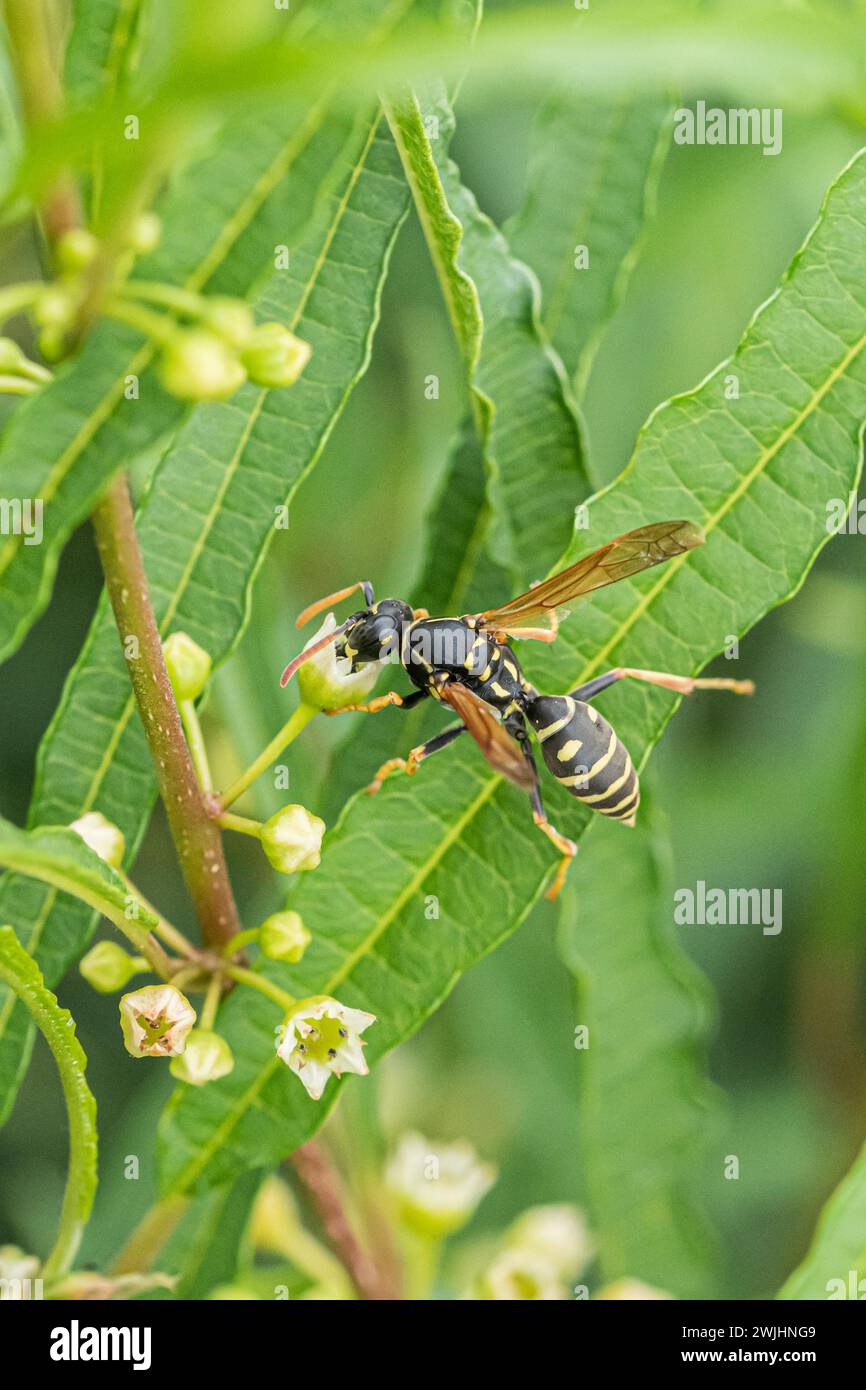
pixel 466 663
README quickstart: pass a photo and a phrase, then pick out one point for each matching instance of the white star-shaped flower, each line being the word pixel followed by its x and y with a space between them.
pixel 322 1036
pixel 326 681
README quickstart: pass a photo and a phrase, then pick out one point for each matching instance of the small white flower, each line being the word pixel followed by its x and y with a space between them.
pixel 321 1036
pixel 292 839
pixel 102 835
pixel 437 1186
pixel 18 1270
pixel 155 1021
pixel 326 681
pixel 206 1057
pixel 520 1274
pixel 632 1289
pixel 556 1233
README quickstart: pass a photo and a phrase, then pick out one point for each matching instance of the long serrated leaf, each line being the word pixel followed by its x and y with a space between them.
pixel 58 856
pixel 97 47
pixel 591 182
pixel 527 424
pixel 203 528
pixel 647 1109
pixel 756 472
pixel 21 974
pixel 835 1263
pixel 64 443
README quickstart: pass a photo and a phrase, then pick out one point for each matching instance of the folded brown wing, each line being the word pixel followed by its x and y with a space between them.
pixel 618 559
pixel 500 750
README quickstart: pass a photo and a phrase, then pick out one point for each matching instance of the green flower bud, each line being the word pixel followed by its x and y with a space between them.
pixel 274 356
pixel 155 1021
pixel 102 836
pixel 292 839
pixel 230 319
pixel 145 233
pixel 76 248
pixel 199 366
pixel 51 342
pixel 188 666
pixel 12 359
pixel 107 967
pixel 54 307
pixel 283 936
pixel 206 1057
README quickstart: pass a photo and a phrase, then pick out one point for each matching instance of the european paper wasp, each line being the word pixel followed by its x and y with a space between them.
pixel 466 663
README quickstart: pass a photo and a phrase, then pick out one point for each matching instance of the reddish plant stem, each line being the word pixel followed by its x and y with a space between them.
pixel 196 836
pixel 324 1188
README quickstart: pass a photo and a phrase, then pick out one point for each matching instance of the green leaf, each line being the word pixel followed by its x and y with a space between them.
pixel 529 432
pixel 647 1109
pixel 836 1260
pixel 212 1248
pixel 757 473
pixel 102 31
pixel 65 442
pixel 21 974
pixel 204 526
pixel 608 156
pixel 58 856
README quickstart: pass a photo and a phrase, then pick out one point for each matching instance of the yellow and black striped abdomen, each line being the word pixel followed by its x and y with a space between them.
pixel 582 751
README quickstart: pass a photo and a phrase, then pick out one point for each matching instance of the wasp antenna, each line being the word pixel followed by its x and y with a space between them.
pixel 321 604
pixel 310 651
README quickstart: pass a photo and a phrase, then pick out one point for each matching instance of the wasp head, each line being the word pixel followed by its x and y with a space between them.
pixel 373 634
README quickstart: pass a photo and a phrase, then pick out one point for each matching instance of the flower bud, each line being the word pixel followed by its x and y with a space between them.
pixel 188 666
pixel 76 248
pixel 108 967
pixel 326 682
pixel 274 356
pixel 12 359
pixel 632 1290
pixel 199 366
pixel 230 319
pixel 54 307
pixel 292 839
pixel 104 837
pixel 558 1234
pixel 283 936
pixel 518 1275
pixel 436 1187
pixel 155 1021
pixel 145 233
pixel 206 1057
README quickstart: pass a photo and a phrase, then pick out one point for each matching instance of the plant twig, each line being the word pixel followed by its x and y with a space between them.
pixel 149 1236
pixel 322 1183
pixel 196 835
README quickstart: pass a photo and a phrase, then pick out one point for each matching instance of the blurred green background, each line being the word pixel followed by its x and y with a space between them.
pixel 769 792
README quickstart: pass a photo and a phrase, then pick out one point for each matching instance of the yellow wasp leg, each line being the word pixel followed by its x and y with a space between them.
pixel 372 706
pixel 408 765
pixel 566 847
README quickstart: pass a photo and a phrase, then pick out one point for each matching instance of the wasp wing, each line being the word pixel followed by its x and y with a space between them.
pixel 626 555
pixel 500 750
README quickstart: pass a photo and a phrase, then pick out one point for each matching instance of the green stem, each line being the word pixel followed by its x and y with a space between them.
pixel 196 836
pixel 422 1263
pixel 239 942
pixel 20 972
pixel 211 1002
pixel 263 985
pixel 171 296
pixel 14 298
pixel 242 824
pixel 197 748
pixel 17 386
pixel 290 730
pixel 156 326
pixel 149 1236
pixel 163 928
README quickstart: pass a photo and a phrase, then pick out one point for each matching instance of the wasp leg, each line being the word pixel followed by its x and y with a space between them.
pixel 566 847
pixel 418 613
pixel 329 600
pixel 410 765
pixel 683 685
pixel 382 702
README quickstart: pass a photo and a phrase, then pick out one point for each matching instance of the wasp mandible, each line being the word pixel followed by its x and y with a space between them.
pixel 466 663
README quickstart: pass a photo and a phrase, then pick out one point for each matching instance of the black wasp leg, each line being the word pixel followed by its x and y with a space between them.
pixel 683 685
pixel 417 755
pixel 382 702
pixel 566 847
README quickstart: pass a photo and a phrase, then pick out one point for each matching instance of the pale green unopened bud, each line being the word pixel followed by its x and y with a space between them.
pixel 283 936
pixel 155 1021
pixel 199 366
pixel 54 307
pixel 274 356
pixel 231 319
pixel 102 836
pixel 12 359
pixel 145 233
pixel 292 839
pixel 188 666
pixel 107 967
pixel 76 248
pixel 206 1057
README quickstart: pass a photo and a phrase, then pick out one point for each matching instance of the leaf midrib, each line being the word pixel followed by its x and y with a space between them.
pixel 193 1169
